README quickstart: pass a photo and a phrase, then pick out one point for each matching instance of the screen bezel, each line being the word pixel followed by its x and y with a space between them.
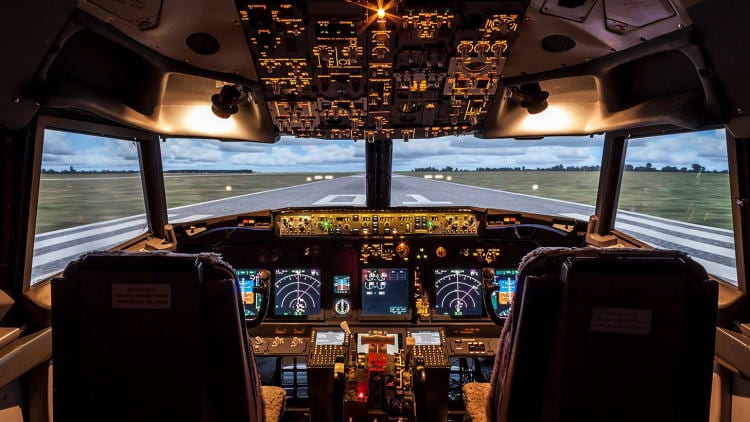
pixel 272 293
pixel 385 317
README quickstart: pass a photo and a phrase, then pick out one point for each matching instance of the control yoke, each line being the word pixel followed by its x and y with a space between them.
pixel 262 287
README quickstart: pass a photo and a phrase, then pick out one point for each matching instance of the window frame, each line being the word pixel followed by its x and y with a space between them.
pixel 45 122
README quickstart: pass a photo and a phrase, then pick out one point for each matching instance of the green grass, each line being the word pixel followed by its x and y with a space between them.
pixel 67 200
pixel 71 200
pixel 185 189
pixel 694 198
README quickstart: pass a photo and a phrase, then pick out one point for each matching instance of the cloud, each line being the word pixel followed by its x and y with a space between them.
pixel 84 152
pixel 305 155
pixel 705 148
pixel 56 144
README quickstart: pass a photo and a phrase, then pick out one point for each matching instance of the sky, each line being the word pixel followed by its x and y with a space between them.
pixel 85 152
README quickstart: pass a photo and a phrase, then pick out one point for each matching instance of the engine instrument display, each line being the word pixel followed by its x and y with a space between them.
pixel 506 280
pixel 458 292
pixel 385 291
pixel 247 280
pixel 297 292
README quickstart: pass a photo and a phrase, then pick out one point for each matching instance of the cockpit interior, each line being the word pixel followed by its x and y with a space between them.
pixel 360 210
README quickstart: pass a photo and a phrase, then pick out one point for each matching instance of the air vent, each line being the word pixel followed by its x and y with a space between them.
pixel 557 43
pixel 202 43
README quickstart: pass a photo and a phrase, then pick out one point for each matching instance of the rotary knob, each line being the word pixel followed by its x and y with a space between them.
pixel 402 250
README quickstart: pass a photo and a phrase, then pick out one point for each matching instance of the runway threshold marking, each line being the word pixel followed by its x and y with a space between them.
pixel 422 200
pixel 353 199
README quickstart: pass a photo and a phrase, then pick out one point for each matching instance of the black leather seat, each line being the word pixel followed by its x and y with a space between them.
pixel 151 337
pixel 606 335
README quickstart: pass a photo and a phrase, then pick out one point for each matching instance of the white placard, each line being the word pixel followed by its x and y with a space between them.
pixel 621 320
pixel 141 296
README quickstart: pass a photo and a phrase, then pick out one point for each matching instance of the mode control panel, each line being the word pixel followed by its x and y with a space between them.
pixel 386 223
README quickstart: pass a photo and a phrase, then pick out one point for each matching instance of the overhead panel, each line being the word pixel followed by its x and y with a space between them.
pixel 365 70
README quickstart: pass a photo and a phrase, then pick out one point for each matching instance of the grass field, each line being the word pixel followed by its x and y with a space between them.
pixel 695 198
pixel 71 200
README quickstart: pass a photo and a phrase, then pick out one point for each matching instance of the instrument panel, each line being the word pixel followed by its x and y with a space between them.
pixel 411 265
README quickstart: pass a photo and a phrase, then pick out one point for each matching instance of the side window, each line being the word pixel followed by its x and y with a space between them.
pixel 90 198
pixel 675 195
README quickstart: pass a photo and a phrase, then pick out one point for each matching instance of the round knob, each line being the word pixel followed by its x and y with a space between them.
pixel 488 273
pixel 402 250
pixel 264 275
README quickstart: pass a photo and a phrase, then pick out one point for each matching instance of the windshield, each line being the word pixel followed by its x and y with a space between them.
pixel 90 197
pixel 675 195
pixel 206 178
pixel 550 176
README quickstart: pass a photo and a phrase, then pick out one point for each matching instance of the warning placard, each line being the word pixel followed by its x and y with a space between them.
pixel 621 320
pixel 141 296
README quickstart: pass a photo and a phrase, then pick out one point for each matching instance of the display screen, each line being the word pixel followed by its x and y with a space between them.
pixel 458 292
pixel 248 279
pixel 426 338
pixel 296 292
pixel 385 291
pixel 333 338
pixel 391 349
pixel 341 284
pixel 506 291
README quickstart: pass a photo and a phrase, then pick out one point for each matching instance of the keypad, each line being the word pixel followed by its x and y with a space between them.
pixel 433 355
pixel 325 355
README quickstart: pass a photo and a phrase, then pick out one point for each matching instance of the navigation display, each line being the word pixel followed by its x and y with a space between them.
pixel 296 292
pixel 332 338
pixel 458 292
pixel 426 338
pixel 385 291
pixel 248 279
pixel 506 280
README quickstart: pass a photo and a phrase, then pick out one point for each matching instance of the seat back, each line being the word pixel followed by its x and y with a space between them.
pixel 151 337
pixel 609 335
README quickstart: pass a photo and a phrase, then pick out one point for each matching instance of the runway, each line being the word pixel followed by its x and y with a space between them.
pixel 712 247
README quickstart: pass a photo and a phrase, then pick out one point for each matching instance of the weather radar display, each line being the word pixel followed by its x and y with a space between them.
pixel 297 292
pixel 458 292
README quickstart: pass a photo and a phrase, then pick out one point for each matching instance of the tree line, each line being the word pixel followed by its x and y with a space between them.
pixel 73 170
pixel 694 168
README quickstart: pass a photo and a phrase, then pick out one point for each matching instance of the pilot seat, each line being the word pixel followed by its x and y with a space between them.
pixel 603 335
pixel 154 337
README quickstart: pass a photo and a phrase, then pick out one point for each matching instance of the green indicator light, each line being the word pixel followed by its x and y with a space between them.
pixel 430 223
